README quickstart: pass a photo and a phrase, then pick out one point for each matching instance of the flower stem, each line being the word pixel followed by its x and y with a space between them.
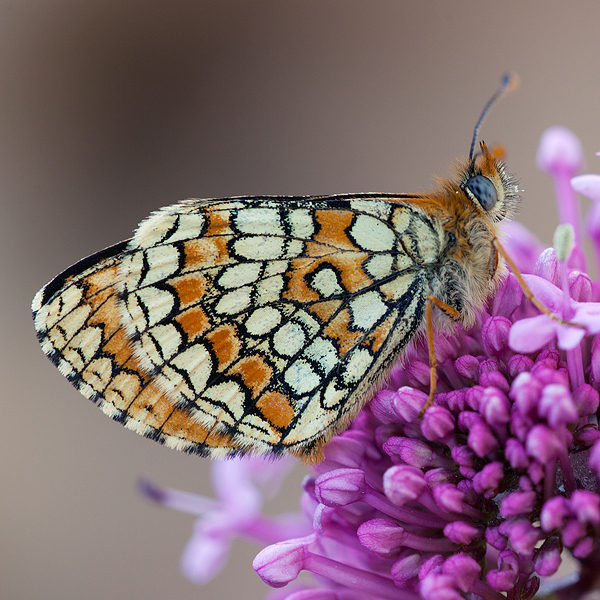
pixel 575 367
pixel 567 472
pixel 402 513
pixel 356 579
pixel 485 591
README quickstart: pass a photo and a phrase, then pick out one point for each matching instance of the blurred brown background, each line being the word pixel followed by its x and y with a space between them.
pixel 109 110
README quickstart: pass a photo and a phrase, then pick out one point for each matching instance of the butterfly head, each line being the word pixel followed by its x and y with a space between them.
pixel 486 183
pixel 484 179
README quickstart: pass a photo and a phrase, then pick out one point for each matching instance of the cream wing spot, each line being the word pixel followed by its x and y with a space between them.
pixel 158 303
pixel 167 338
pixel 87 341
pixel 256 221
pixel 163 261
pixel 74 320
pixel 263 320
pixel 397 287
pixel 276 267
pixel 234 302
pixel 146 307
pixel 357 366
pixel 132 314
pixel 269 290
pixel 312 421
pixel 367 309
pixel 231 394
pixel 295 248
pixel 289 339
pixel 173 383
pixel 325 282
pixel 333 395
pixel 197 363
pixel 130 271
pixel 49 315
pixel 379 266
pixel 374 207
pixel 401 220
pixel 82 348
pixel 259 247
pixel 239 275
pixel 403 260
pixel 257 433
pixel 310 324
pixel 190 227
pixel 98 374
pixel 372 234
pixel 148 353
pixel 323 353
pixel 302 223
pixel 301 377
pixel 152 230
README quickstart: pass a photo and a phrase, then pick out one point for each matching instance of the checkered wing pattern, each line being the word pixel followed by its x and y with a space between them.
pixel 244 325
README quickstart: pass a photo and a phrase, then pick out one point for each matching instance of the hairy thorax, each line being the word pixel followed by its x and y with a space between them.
pixel 468 271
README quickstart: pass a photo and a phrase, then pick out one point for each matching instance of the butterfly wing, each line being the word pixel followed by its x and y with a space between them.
pixel 246 324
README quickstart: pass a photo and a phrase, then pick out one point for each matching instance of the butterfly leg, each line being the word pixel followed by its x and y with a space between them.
pixel 528 293
pixel 453 314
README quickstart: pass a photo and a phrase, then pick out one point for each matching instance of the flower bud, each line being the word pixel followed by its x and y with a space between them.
pixel 557 406
pixel 481 439
pixel 464 569
pixel 495 406
pixel 548 558
pixel 437 423
pixel 487 481
pixel 382 536
pixel 449 497
pixel 494 335
pixel 505 576
pixel 467 366
pixel 460 532
pixel 340 487
pixel 281 563
pixel 403 483
pixel 517 503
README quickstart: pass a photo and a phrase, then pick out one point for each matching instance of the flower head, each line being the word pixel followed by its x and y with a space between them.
pixel 486 478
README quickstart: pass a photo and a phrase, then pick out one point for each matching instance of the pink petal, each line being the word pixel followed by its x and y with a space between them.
pixel 559 149
pixel 549 295
pixel 588 315
pixel 588 185
pixel 529 335
pixel 522 246
pixel 569 337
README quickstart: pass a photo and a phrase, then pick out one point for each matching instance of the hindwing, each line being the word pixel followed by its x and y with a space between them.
pixel 244 325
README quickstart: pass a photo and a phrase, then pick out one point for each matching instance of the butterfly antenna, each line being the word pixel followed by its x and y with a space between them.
pixel 508 83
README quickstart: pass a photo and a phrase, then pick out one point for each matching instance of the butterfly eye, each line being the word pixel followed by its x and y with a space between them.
pixel 484 191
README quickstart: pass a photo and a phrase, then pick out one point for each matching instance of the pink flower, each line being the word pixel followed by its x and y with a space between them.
pixel 477 497
pixel 529 335
pixel 240 486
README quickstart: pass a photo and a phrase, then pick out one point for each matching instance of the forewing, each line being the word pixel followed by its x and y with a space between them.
pixel 243 325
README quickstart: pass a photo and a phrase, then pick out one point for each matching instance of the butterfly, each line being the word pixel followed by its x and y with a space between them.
pixel 264 324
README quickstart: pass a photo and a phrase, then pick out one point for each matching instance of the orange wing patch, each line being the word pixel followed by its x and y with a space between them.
pixel 255 372
pixel 276 408
pixel 225 344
